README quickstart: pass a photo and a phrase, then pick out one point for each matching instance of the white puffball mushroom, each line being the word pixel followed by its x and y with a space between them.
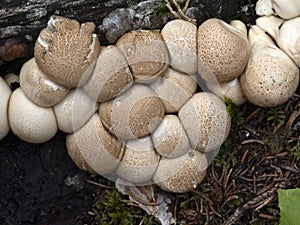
pixel 30 122
pixel 271 77
pixel 5 93
pixel 100 150
pixel 134 114
pixel 174 89
pixel 110 77
pixel 74 110
pixel 180 38
pixel 38 87
pixel 146 53
pixel 264 8
pixel 181 174
pixel 11 78
pixel 206 121
pixel 285 33
pixel 223 51
pixel 139 161
pixel 170 139
pixel 66 51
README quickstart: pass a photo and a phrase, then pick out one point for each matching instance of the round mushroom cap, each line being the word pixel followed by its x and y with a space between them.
pixel 286 11
pixel 170 138
pixel 134 114
pixel 180 38
pixel 76 155
pixel 30 122
pixel 5 93
pixel 146 53
pixel 139 161
pixel 74 110
pixel 222 49
pixel 271 77
pixel 181 174
pixel 110 77
pixel 174 89
pixel 67 51
pixel 206 121
pixel 100 150
pixel 38 87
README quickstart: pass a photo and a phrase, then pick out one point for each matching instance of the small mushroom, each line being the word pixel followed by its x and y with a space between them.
pixel 285 33
pixel 181 174
pixel 110 77
pixel 146 53
pixel 67 51
pixel 174 89
pixel 5 93
pixel 100 151
pixel 206 121
pixel 38 87
pixel 271 77
pixel 180 38
pixel 134 114
pixel 223 51
pixel 74 110
pixel 30 122
pixel 170 139
pixel 139 161
pixel 11 79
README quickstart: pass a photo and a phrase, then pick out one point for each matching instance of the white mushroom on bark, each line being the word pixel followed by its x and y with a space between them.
pixel 107 80
pixel 5 93
pixel 146 53
pixel 38 87
pixel 30 122
pixel 271 77
pixel 180 38
pixel 223 51
pixel 67 51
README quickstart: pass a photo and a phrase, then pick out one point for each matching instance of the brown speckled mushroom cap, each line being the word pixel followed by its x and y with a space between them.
pixel 180 38
pixel 271 77
pixel 30 122
pixel 100 150
pixel 38 87
pixel 181 174
pixel 133 114
pixel 170 139
pixel 221 48
pixel 206 121
pixel 146 53
pixel 67 51
pixel 174 89
pixel 139 161
pixel 5 93
pixel 74 110
pixel 110 77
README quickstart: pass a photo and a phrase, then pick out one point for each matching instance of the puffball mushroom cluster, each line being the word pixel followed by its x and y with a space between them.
pixel 133 111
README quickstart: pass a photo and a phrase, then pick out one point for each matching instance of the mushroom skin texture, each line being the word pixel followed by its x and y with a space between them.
pixel 38 87
pixel 139 161
pixel 174 89
pixel 181 174
pixel 206 121
pixel 108 80
pixel 134 114
pixel 222 49
pixel 30 122
pixel 285 33
pixel 5 94
pixel 74 111
pixel 271 77
pixel 100 150
pixel 170 139
pixel 67 51
pixel 146 53
pixel 180 38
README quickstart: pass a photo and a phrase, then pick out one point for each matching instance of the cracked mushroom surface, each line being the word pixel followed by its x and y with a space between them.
pixel 66 51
